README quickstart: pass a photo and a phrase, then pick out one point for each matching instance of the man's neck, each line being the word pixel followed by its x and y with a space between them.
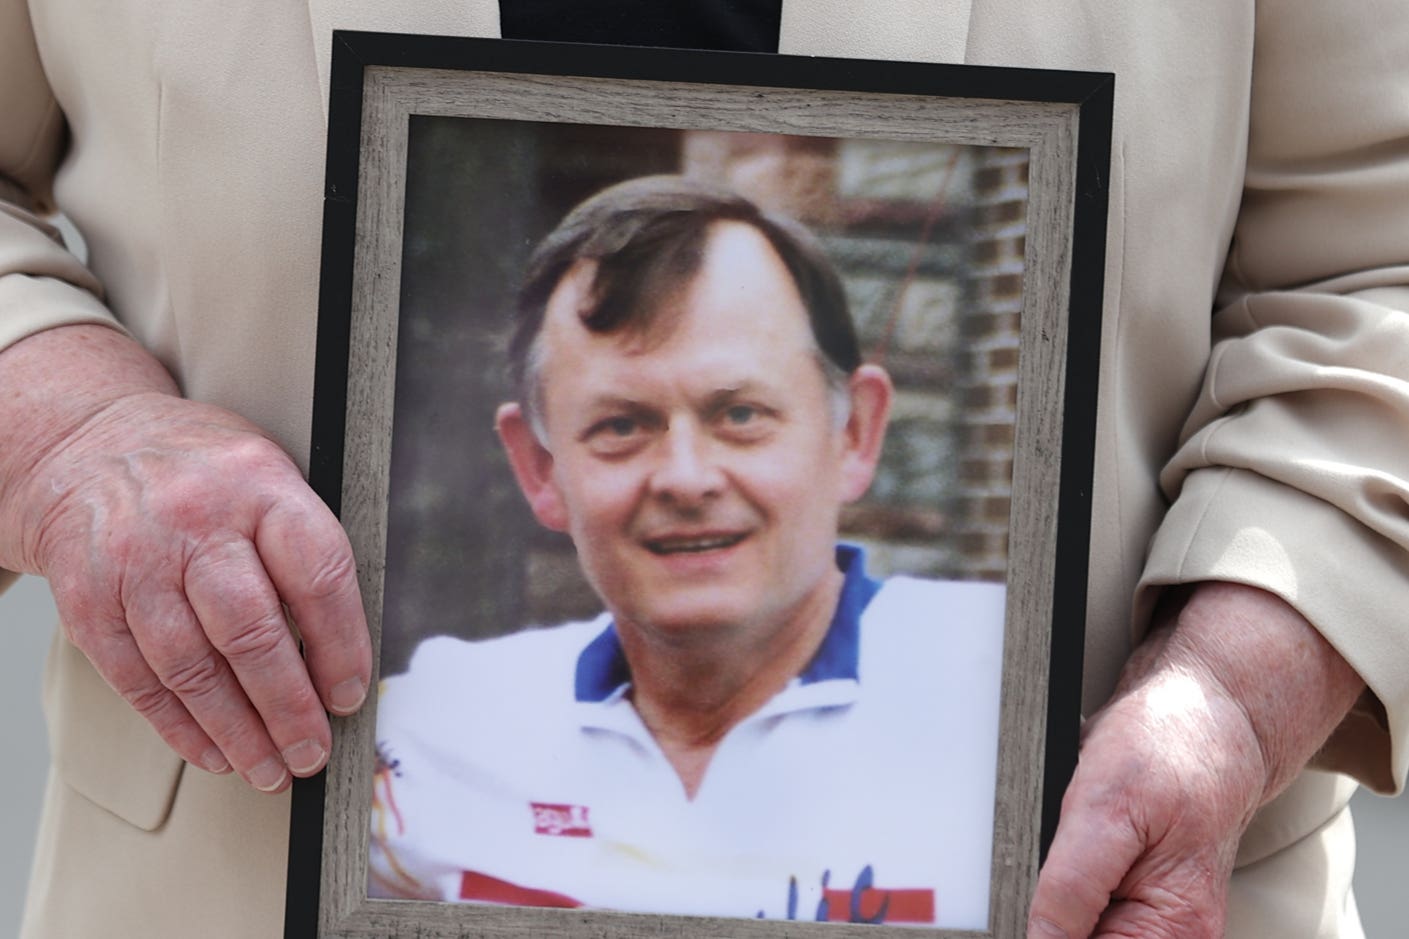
pixel 691 698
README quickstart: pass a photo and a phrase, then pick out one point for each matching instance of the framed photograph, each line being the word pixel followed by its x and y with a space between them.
pixel 714 432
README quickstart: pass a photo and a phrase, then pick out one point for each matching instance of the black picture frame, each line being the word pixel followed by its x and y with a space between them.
pixel 383 83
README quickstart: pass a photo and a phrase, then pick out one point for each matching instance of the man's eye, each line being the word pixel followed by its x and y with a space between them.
pixel 619 426
pixel 740 414
pixel 746 423
pixel 617 436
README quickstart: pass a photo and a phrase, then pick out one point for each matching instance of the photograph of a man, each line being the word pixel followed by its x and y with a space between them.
pixel 754 726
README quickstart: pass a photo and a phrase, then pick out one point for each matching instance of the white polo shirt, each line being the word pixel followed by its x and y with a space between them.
pixel 516 770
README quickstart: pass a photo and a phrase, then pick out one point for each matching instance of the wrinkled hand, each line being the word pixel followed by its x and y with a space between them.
pixel 1169 776
pixel 173 535
pixel 1215 715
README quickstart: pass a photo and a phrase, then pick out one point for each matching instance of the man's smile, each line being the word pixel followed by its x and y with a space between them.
pixel 693 543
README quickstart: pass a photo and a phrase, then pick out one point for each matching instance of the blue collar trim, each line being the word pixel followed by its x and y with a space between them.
pixel 839 655
pixel 602 669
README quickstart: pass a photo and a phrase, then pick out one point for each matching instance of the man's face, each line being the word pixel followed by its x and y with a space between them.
pixel 700 468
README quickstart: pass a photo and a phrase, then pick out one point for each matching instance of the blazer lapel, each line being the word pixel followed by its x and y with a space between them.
pixel 438 17
pixel 907 30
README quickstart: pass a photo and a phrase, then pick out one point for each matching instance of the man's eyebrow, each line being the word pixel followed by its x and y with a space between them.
pixel 607 401
pixel 731 392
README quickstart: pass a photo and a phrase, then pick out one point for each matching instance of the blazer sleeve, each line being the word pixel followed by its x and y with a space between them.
pixel 42 284
pixel 1293 469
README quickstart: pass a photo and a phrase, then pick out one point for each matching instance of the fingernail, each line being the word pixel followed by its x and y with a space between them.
pixel 1045 929
pixel 305 757
pixel 268 776
pixel 347 696
pixel 213 761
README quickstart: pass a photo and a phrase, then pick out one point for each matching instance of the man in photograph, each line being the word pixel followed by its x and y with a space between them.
pixel 754 727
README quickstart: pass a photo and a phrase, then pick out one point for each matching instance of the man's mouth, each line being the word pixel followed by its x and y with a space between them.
pixel 692 544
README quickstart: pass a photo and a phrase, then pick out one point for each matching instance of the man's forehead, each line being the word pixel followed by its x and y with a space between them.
pixel 571 296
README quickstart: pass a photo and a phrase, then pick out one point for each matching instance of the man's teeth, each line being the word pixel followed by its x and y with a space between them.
pixel 682 545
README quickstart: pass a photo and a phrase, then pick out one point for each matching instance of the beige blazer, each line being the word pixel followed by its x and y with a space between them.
pixel 186 142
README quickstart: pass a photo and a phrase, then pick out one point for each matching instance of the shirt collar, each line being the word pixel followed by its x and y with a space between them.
pixel 604 675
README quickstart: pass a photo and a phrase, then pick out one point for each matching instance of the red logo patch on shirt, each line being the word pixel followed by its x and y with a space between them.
pixel 877 905
pixel 562 821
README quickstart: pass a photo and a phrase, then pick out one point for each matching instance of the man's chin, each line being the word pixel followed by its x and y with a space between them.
pixel 685 623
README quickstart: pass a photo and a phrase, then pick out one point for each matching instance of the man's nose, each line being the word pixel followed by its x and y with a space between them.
pixel 687 470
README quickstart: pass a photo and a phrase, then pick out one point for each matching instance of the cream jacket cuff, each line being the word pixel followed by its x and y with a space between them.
pixel 1353 585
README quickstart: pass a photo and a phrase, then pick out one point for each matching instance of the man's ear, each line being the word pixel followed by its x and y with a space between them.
pixel 532 465
pixel 865 430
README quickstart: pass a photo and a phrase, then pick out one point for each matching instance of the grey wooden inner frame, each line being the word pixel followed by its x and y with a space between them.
pixel 1047 130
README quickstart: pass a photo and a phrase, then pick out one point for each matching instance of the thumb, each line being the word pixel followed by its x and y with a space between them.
pixel 1091 854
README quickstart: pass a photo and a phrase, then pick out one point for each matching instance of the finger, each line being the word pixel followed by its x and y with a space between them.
pixel 1181 896
pixel 1152 918
pixel 242 617
pixel 1092 851
pixel 310 561
pixel 117 659
pixel 174 645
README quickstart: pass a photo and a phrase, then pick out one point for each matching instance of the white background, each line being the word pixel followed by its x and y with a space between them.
pixel 26 625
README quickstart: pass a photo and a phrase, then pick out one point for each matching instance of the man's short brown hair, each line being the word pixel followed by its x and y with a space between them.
pixel 647 237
